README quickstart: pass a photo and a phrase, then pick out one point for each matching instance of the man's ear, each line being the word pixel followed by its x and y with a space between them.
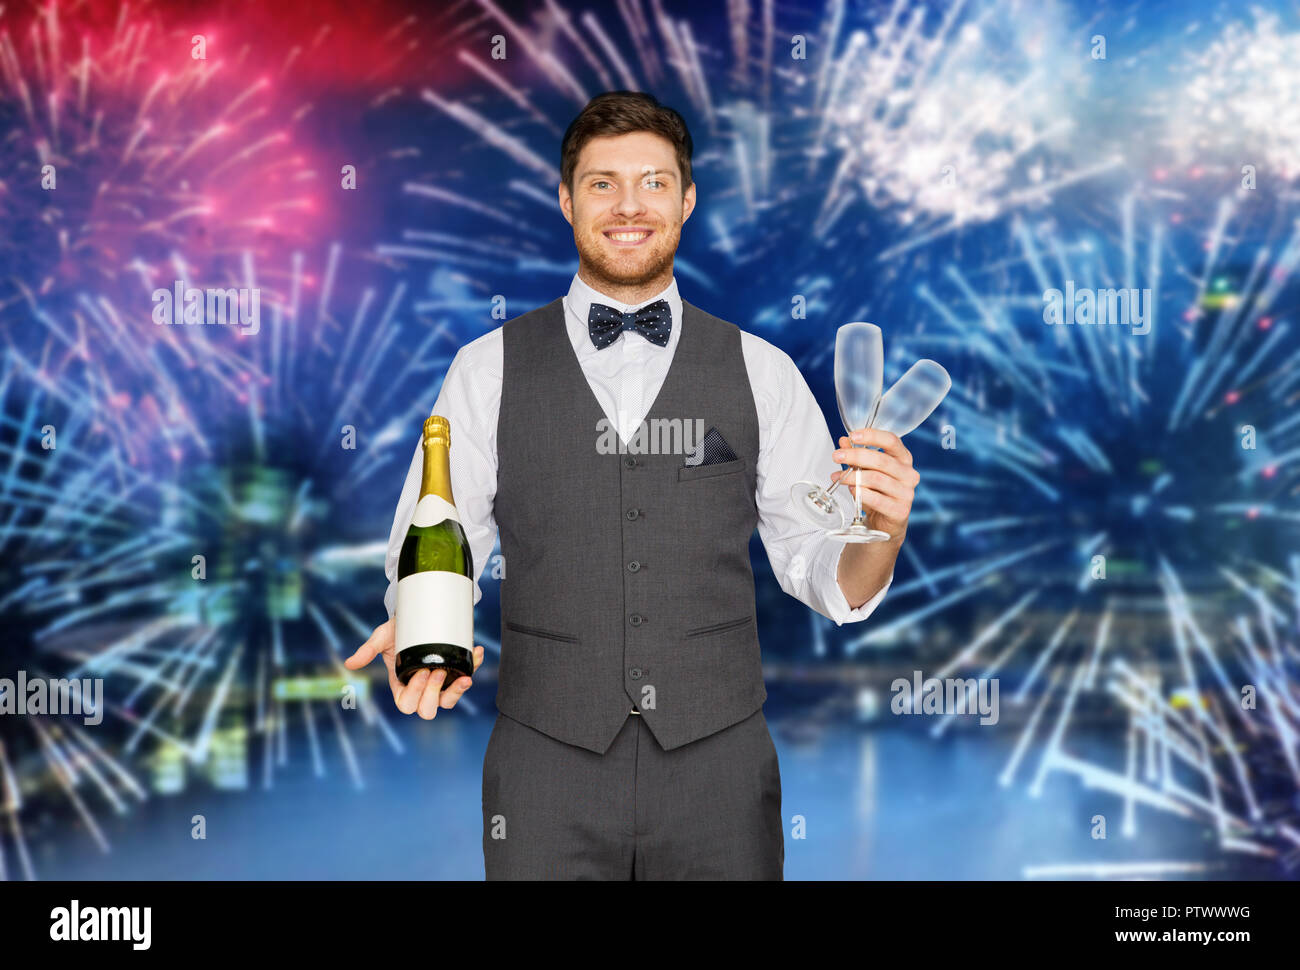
pixel 688 202
pixel 566 203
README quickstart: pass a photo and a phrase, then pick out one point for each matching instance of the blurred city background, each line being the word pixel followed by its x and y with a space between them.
pixel 1109 528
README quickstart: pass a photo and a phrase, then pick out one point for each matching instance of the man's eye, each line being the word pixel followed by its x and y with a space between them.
pixel 654 183
pixel 599 184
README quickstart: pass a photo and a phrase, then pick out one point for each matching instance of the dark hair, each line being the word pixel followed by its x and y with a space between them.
pixel 620 113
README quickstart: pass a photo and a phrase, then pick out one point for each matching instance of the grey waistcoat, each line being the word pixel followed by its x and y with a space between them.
pixel 625 571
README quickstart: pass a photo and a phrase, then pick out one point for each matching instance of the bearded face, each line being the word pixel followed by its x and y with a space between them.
pixel 627 208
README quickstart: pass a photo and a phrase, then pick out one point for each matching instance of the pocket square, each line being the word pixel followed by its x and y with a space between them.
pixel 711 450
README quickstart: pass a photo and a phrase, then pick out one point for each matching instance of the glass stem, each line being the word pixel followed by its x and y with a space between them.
pixel 836 484
pixel 871 421
pixel 857 503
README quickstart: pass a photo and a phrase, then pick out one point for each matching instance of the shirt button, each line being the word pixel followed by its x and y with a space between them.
pixel 634 673
pixel 632 514
pixel 636 619
pixel 633 566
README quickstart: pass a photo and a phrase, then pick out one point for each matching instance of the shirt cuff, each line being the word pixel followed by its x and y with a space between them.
pixel 837 605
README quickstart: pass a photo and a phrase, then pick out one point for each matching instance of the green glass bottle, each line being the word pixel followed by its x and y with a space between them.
pixel 435 570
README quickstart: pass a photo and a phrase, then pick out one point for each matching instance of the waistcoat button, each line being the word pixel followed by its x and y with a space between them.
pixel 632 514
pixel 635 673
pixel 633 566
pixel 630 462
pixel 636 619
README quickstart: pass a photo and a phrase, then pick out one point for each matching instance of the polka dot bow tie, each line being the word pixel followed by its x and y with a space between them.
pixel 654 321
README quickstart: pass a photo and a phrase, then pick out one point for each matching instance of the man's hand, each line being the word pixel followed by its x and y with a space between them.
pixel 424 693
pixel 886 483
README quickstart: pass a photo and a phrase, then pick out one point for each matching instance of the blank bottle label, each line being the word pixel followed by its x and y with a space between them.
pixel 435 607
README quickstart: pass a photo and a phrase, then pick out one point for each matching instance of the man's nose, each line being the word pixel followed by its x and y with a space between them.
pixel 629 202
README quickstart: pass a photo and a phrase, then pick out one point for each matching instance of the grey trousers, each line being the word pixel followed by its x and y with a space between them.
pixel 710 809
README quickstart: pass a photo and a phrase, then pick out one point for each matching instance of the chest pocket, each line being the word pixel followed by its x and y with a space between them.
pixel 692 473
pixel 716 500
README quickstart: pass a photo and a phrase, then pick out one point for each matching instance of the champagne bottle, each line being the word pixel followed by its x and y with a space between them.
pixel 435 570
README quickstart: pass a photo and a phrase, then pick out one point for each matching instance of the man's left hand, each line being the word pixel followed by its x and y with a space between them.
pixel 883 481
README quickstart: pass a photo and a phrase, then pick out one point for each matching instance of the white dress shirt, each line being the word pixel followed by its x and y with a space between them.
pixel 793 439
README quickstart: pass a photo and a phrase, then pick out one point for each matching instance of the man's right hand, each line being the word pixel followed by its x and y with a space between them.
pixel 424 692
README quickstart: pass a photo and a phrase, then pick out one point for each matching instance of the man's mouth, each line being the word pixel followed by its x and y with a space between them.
pixel 628 236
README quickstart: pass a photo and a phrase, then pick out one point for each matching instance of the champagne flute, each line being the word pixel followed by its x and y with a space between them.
pixel 859 376
pixel 913 398
pixel 902 409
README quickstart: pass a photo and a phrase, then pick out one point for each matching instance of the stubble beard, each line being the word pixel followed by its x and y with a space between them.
pixel 612 270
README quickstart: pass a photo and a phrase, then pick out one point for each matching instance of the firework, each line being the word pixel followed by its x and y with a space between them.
pixel 891 132
pixel 128 164
pixel 1236 100
pixel 1153 464
pixel 259 632
pixel 222 598
pixel 938 128
pixel 921 167
pixel 60 494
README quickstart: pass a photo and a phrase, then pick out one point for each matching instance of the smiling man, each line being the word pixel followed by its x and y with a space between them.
pixel 630 741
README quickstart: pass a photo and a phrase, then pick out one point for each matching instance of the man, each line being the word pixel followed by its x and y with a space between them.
pixel 630 742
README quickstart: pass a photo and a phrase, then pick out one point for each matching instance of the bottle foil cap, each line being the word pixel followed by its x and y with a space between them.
pixel 437 429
